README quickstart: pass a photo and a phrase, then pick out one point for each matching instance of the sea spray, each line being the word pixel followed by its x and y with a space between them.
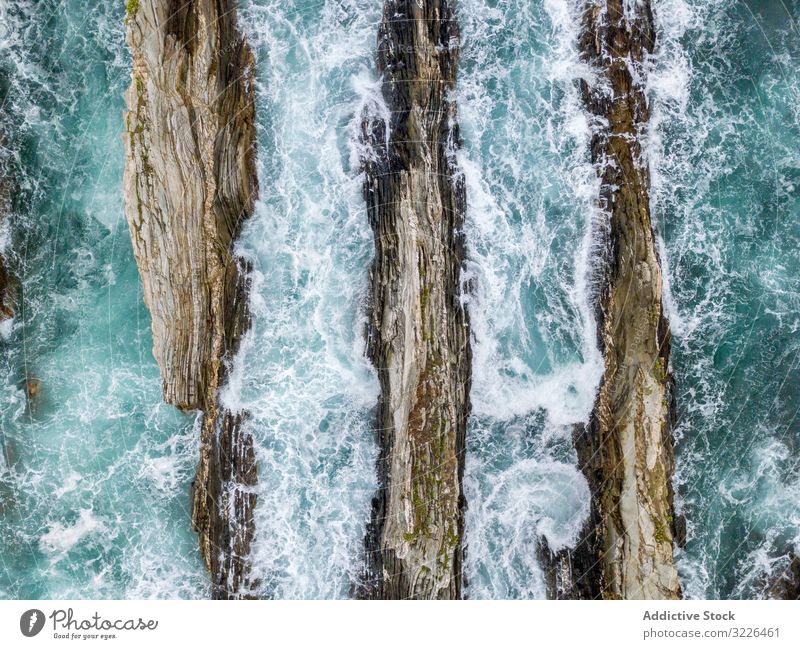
pixel 85 510
pixel 723 157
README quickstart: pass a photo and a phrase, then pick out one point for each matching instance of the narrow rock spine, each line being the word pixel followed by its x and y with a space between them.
pixel 6 292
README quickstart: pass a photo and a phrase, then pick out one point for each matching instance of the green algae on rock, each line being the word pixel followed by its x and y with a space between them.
pixel 625 451
pixel 418 332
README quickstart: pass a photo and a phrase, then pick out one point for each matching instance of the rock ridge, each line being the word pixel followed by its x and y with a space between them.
pixel 418 336
pixel 190 182
pixel 625 451
pixel 6 287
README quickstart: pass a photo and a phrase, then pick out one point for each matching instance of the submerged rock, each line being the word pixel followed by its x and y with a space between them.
pixel 625 451
pixel 417 335
pixel 190 182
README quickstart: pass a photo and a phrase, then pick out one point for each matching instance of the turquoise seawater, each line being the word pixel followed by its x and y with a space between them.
pixel 530 220
pixel 302 373
pixel 95 469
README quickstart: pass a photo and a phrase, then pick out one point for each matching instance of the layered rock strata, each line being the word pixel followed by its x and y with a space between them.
pixel 418 332
pixel 784 583
pixel 6 293
pixel 6 298
pixel 190 182
pixel 625 451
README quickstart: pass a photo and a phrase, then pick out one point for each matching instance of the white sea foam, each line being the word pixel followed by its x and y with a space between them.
pixel 519 507
pixel 6 328
pixel 94 488
pixel 530 227
pixel 731 301
pixel 60 539
pixel 70 483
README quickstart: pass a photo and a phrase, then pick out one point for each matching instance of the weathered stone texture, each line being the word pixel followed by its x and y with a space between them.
pixel 190 182
pixel 418 333
pixel 784 582
pixel 6 291
pixel 625 451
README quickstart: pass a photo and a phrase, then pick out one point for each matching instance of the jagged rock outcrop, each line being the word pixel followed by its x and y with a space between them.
pixel 6 295
pixel 6 299
pixel 418 337
pixel 625 451
pixel 190 182
pixel 785 582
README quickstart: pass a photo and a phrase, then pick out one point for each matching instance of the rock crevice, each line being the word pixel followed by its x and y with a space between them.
pixel 625 451
pixel 418 331
pixel 190 182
